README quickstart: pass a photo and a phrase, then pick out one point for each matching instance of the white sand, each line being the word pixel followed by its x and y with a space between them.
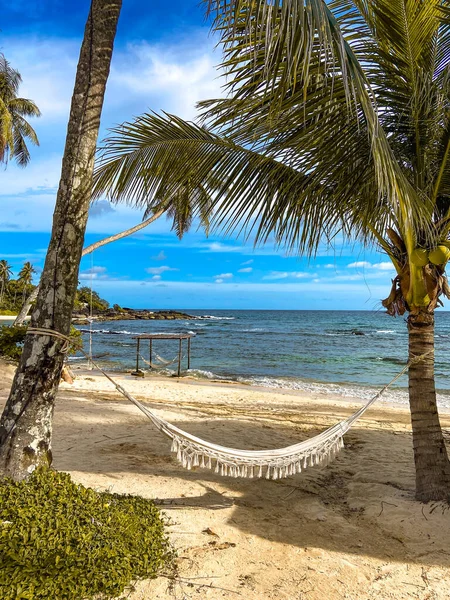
pixel 349 531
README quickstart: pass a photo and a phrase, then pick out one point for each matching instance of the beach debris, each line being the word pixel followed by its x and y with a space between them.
pixel 209 531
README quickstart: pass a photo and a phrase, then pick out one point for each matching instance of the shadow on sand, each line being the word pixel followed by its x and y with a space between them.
pixel 362 504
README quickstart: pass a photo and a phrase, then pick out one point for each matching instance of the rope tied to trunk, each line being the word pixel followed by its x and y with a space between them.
pixel 69 341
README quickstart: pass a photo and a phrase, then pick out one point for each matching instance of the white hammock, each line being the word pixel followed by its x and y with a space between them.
pixel 161 365
pixel 192 451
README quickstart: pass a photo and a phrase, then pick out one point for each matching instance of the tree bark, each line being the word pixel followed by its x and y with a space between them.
pixel 112 238
pixel 430 454
pixel 26 422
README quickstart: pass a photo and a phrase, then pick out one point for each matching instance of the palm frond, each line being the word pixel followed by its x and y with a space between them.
pixel 243 191
pixel 264 93
pixel 24 107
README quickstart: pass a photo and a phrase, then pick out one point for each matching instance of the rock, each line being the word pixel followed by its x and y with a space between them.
pixel 129 314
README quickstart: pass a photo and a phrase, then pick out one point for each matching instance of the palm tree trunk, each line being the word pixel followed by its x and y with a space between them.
pixel 430 454
pixel 26 423
pixel 112 238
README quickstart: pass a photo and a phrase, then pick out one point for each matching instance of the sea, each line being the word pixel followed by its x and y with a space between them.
pixel 344 353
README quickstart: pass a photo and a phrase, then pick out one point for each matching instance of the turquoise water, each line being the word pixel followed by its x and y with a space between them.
pixel 348 353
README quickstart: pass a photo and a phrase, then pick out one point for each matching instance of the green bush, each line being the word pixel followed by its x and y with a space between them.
pixel 63 541
pixel 11 340
pixel 13 336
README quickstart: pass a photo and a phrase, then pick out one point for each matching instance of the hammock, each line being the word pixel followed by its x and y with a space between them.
pixel 192 451
pixel 161 365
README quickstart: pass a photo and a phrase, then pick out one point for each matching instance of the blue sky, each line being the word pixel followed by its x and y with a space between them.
pixel 163 60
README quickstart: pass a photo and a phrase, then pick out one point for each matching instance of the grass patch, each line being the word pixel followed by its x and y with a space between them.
pixel 63 541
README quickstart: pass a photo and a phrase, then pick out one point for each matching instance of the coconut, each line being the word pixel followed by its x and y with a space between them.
pixel 440 255
pixel 419 257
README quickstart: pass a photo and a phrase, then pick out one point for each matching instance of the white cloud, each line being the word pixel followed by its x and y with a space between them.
pixel 330 266
pixel 383 266
pixel 286 274
pixel 277 275
pixel 219 281
pixel 93 270
pixel 160 256
pixel 161 71
pixel 245 270
pixel 360 264
pixel 159 270
pixel 101 208
pixel 156 277
pixel 224 276
pixel 219 247
pixel 247 262
pixel 94 273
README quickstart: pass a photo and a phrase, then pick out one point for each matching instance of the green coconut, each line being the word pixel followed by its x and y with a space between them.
pixel 419 257
pixel 440 255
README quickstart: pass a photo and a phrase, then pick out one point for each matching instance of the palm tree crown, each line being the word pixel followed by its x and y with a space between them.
pixel 14 128
pixel 5 275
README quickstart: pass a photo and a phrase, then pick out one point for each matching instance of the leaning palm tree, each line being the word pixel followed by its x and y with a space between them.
pixel 5 276
pixel 26 423
pixel 26 278
pixel 14 111
pixel 337 119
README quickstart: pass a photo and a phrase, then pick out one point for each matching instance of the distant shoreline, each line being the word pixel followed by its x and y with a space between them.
pixel 11 318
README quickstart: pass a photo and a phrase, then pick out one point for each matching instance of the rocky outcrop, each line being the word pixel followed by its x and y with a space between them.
pixel 129 314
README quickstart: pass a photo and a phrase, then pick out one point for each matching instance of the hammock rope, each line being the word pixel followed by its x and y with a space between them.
pixel 192 451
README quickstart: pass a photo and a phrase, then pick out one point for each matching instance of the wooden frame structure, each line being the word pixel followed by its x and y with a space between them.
pixel 164 336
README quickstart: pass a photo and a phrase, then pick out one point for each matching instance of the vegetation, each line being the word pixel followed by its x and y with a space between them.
pixel 85 298
pixel 62 540
pixel 14 127
pixel 12 338
pixel 13 292
pixel 11 341
pixel 336 121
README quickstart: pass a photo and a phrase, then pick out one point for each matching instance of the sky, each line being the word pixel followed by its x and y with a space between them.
pixel 164 59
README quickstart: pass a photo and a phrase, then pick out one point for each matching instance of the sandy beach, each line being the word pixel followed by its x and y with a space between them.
pixel 349 531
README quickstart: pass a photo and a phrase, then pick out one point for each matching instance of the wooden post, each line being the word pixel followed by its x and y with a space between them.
pixel 189 353
pixel 179 358
pixel 151 352
pixel 137 354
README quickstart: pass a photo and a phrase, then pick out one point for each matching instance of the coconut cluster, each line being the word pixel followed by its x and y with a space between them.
pixel 440 255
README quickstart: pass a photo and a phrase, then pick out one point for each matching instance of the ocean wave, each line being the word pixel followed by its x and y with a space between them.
pixel 201 374
pixel 214 318
pixel 386 331
pixel 253 329
pixel 108 331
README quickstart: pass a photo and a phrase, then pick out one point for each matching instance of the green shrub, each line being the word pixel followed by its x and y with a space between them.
pixel 63 541
pixel 13 336
pixel 11 340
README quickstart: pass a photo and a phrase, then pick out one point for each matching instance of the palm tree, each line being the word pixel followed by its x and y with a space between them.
pixel 14 128
pixel 5 275
pixel 26 278
pixel 27 419
pixel 337 119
